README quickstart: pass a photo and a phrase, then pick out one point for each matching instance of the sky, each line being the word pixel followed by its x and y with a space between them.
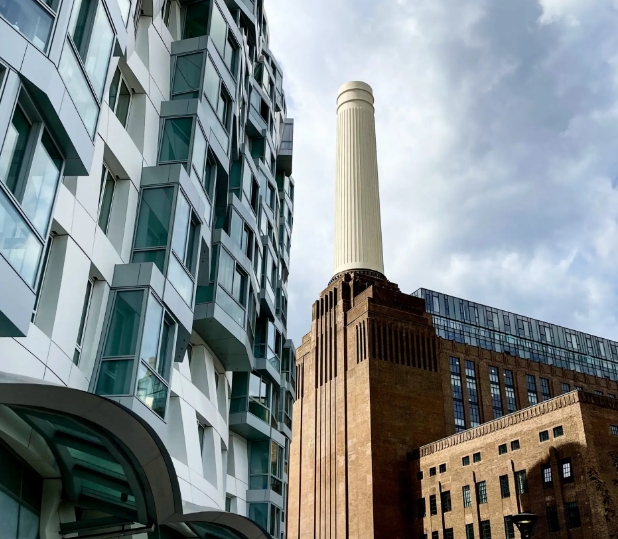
pixel 497 135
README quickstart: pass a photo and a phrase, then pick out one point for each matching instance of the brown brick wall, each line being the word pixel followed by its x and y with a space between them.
pixel 373 384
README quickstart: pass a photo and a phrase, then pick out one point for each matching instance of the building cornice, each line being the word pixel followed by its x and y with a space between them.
pixel 521 416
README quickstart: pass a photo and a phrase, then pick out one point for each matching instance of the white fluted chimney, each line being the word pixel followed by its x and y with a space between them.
pixel 358 229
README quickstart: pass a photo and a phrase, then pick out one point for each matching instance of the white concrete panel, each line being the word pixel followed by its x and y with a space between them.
pixel 104 256
pixel 83 229
pixel 74 278
pixel 159 62
pixel 124 155
pixel 59 363
pixel 36 342
pixel 77 379
pixel 175 440
pixel 17 360
pixel 63 211
pixel 88 188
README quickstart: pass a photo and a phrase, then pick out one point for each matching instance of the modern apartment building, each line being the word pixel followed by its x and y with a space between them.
pixel 146 211
pixel 397 394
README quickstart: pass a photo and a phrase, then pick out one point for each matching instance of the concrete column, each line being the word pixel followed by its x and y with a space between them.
pixel 358 229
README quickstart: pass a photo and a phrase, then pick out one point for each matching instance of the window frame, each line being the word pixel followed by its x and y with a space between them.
pixel 37 129
pixel 107 174
pixel 41 276
pixel 521 482
pixel 121 80
pixel 547 478
pixel 52 28
pixel 566 462
pixel 87 305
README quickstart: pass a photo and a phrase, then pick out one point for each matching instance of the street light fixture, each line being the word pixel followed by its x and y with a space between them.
pixel 525 523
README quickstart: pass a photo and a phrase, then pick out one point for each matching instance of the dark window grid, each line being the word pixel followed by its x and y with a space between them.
pixel 515 445
pixel 485 529
pixel 445 501
pixel 543 353
pixel 432 471
pixel 505 490
pixel 613 429
pixel 509 528
pixel 448 533
pixel 465 461
pixel 545 392
pixel 547 476
pixel 433 505
pixel 476 457
pixel 558 431
pixel 566 471
pixel 481 492
pixel 502 449
pixel 469 531
pixel 553 524
pixel 442 468
pixel 435 535
pixel 466 496
pixel 521 482
pixel 421 507
pixel 543 436
pixel 571 511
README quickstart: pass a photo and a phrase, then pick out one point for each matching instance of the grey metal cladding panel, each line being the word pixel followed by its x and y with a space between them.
pixel 16 302
pixel 185 46
pixel 220 236
pixel 175 173
pixel 150 275
pixel 12 45
pixel 180 107
pixel 277 437
pixel 181 311
pixel 266 495
pixel 157 175
pixel 125 275
pixel 248 216
pixel 263 365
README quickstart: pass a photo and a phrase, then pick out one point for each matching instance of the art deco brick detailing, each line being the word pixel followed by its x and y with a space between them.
pixel 146 214
pixel 358 229
pixel 380 392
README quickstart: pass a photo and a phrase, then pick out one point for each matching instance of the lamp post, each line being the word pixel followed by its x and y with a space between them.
pixel 525 523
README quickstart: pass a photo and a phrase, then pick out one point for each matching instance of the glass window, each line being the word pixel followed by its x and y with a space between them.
pixel 445 501
pixel 78 87
pixel 120 98
pixel 552 518
pixel 433 505
pixel 514 445
pixel 546 474
pixel 258 512
pixel 176 140
pixel 545 392
pixel 442 468
pixel 151 390
pixel 558 431
pixel 187 76
pixel 196 22
pixel 485 529
pixel 481 492
pixel 115 377
pixel 476 457
pixel 181 224
pixel 124 325
pixel 571 510
pixel 41 184
pixel 93 37
pixel 566 470
pixel 613 429
pixel 521 481
pixel 496 397
pixel 106 199
pixel 218 30
pixel 30 19
pixel 465 461
pixel 14 148
pixel 509 528
pixel 509 389
pixel 531 385
pixel 543 436
pixel 211 83
pixel 199 154
pixel 183 284
pixel 467 498
pixel 432 471
pixel 18 244
pixel 82 322
pixel 469 531
pixel 152 332
pixel 153 225
pixel 565 387
pixel 41 279
pixel 502 449
pixel 505 490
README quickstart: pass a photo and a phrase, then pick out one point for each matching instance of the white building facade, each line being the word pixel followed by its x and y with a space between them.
pixel 146 210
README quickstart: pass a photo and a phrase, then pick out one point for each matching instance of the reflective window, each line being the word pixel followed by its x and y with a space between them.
pixel 496 397
pixel 176 140
pixel 531 385
pixel 151 236
pixel 30 18
pixel 120 98
pixel 21 492
pixel 115 377
pixel 187 76
pixel 223 40
pixel 505 490
pixel 458 407
pixel 509 389
pixel 216 93
pixel 78 87
pixel 106 198
pixel 481 492
pixel 196 21
pixel 473 398
pixel 467 498
pixel 509 528
pixel 93 38
pixel 82 323
pixel 124 324
pixel 521 482
pixel 546 475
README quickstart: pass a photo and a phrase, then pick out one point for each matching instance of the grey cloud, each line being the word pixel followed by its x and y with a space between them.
pixel 497 136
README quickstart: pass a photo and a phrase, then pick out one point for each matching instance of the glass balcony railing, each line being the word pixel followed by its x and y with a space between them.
pixel 229 305
pixel 262 351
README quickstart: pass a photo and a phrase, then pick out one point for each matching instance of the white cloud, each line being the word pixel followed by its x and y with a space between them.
pixel 497 130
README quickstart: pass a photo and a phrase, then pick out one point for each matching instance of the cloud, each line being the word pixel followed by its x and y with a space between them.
pixel 497 127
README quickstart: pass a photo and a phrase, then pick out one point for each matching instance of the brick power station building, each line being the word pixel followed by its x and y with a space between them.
pixel 426 416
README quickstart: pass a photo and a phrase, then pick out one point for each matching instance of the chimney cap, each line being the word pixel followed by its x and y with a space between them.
pixel 355 91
